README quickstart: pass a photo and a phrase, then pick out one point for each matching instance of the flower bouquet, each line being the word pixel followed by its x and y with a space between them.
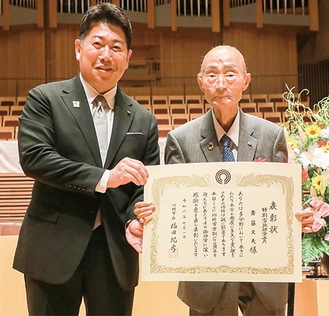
pixel 307 135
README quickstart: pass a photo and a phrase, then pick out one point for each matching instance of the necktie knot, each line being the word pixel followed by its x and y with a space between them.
pixel 226 141
pixel 227 151
pixel 101 104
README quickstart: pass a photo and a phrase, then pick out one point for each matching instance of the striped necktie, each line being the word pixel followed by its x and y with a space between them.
pixel 101 124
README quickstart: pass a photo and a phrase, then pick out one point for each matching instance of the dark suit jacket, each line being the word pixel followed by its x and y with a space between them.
pixel 257 139
pixel 58 148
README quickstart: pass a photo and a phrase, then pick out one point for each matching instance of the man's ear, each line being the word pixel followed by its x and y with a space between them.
pixel 77 46
pixel 200 82
pixel 247 79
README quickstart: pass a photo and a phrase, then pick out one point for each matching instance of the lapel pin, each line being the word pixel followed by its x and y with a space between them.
pixel 76 104
pixel 211 146
pixel 128 112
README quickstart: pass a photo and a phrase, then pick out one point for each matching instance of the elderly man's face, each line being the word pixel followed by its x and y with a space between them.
pixel 223 78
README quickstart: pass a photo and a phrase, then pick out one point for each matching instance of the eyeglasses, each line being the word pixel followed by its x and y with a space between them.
pixel 228 78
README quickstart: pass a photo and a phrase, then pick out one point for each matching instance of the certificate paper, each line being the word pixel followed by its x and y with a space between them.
pixel 223 222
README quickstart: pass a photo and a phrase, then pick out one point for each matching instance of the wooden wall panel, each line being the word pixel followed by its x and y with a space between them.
pixel 62 63
pixel 270 53
pixel 21 56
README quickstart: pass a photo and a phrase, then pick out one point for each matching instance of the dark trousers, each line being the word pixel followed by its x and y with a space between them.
pixel 240 295
pixel 94 281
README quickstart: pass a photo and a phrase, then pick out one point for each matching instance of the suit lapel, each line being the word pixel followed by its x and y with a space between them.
pixel 76 101
pixel 123 117
pixel 247 143
pixel 209 142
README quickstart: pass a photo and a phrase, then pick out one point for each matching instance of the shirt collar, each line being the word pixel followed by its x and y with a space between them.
pixel 91 93
pixel 233 132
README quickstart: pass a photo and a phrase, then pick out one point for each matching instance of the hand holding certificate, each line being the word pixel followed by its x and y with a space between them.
pixel 223 222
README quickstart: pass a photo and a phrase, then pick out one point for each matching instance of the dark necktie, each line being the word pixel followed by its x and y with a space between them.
pixel 227 151
pixel 101 124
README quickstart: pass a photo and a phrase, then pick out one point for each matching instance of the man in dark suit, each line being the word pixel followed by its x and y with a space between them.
pixel 82 231
pixel 223 77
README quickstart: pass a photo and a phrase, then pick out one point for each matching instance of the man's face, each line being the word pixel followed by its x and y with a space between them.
pixel 103 56
pixel 223 78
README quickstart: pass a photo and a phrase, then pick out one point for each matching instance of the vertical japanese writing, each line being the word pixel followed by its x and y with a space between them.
pixel 196 223
pixel 205 231
pixel 223 223
pixel 253 244
pixel 232 224
pixel 184 214
pixel 173 230
pixel 264 225
pixel 241 221
pixel 214 218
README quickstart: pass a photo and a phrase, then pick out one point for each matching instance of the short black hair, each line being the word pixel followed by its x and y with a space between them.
pixel 106 13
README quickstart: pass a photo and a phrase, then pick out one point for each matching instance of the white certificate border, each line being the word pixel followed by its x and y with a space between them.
pixel 287 186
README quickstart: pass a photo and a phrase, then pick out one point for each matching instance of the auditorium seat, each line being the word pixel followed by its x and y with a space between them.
pixel 15 194
pixel 176 108
pixel 7 132
pixel 20 100
pixel 248 107
pixel 207 106
pixel 176 99
pixel 275 97
pixel 281 106
pixel 145 101
pixel 164 129
pixel 9 101
pixel 10 120
pixel 245 98
pixel 265 107
pixel 195 115
pixel 4 110
pixel 193 98
pixel 257 98
pixel 195 108
pixel 159 99
pixel 163 119
pixel 160 108
pixel 16 109
pixel 274 117
pixel 179 119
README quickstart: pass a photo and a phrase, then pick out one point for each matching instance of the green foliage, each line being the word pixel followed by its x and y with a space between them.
pixel 313 247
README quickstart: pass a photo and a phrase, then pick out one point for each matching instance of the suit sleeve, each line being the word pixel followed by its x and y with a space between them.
pixel 280 152
pixel 173 151
pixel 39 156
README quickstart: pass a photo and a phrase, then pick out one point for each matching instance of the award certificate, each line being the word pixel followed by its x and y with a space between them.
pixel 223 222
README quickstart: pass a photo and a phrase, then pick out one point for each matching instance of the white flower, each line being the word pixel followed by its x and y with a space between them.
pixel 324 133
pixel 320 158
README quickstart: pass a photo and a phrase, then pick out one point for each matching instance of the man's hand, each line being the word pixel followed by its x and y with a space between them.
pixel 134 231
pixel 306 217
pixel 134 235
pixel 143 211
pixel 128 170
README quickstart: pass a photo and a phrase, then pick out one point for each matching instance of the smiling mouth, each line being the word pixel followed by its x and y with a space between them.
pixel 104 69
